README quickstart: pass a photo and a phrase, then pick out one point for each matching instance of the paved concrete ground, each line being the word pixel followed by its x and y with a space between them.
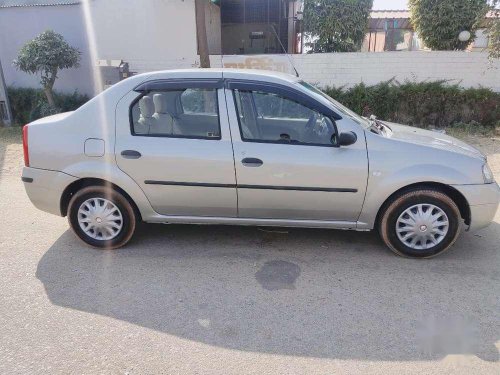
pixel 231 300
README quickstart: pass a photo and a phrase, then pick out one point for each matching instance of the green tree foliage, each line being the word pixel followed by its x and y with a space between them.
pixel 439 23
pixel 494 35
pixel 336 25
pixel 46 55
pixel 493 30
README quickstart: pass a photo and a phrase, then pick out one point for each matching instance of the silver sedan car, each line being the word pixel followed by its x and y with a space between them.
pixel 213 146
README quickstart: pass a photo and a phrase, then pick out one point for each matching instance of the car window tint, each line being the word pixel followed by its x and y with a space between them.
pixel 271 118
pixel 185 113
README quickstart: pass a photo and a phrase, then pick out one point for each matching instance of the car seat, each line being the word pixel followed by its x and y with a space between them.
pixel 164 121
pixel 146 117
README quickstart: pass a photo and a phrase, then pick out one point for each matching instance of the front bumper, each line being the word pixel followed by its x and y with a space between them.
pixel 483 202
pixel 45 188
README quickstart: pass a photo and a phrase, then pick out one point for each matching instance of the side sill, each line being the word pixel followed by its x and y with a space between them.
pixel 166 219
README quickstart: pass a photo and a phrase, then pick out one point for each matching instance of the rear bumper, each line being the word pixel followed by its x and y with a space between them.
pixel 45 188
pixel 483 203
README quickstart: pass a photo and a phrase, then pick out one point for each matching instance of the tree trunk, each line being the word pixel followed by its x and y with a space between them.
pixel 50 96
pixel 201 34
pixel 48 88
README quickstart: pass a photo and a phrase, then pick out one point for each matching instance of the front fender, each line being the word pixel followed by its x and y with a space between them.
pixel 383 183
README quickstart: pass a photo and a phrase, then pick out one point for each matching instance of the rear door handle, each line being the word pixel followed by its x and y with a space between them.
pixel 252 162
pixel 131 154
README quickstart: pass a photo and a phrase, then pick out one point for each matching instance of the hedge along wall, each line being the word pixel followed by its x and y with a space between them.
pixel 427 104
pixel 29 104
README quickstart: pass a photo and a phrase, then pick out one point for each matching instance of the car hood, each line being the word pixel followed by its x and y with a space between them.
pixel 432 139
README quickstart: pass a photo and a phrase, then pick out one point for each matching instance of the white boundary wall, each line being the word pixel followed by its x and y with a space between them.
pixel 468 69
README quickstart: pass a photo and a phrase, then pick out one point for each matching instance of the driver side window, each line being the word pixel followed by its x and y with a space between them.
pixel 270 118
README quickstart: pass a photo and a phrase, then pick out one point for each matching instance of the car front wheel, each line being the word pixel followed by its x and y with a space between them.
pixel 101 217
pixel 420 223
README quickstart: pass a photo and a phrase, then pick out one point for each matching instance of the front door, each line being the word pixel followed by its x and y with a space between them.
pixel 286 165
pixel 173 139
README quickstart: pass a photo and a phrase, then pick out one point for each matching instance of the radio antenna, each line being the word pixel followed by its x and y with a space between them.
pixel 284 50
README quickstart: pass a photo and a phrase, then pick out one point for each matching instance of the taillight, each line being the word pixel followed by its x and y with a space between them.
pixel 25 146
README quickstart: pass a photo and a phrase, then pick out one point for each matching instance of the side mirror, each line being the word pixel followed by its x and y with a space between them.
pixel 344 139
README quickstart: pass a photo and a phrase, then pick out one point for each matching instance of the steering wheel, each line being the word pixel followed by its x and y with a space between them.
pixel 309 129
pixel 316 130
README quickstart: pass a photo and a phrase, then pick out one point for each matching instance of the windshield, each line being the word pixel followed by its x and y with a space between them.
pixel 343 110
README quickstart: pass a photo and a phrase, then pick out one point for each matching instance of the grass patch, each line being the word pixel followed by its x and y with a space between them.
pixel 461 130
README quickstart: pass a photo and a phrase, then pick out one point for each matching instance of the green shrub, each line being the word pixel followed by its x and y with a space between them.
pixel 29 104
pixel 426 104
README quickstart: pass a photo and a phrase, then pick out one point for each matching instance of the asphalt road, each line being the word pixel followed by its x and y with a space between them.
pixel 235 300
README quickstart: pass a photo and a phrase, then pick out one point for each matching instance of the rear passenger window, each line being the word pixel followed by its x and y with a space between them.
pixel 184 113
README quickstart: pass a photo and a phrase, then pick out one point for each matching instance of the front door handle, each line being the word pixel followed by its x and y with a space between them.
pixel 252 162
pixel 131 154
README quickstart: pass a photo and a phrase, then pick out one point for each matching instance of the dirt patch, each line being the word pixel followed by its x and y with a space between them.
pixel 490 146
pixel 11 151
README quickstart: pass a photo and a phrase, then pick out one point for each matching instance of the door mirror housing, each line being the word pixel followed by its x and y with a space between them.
pixel 344 139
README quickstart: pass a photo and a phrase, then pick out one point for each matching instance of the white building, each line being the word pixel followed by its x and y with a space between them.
pixel 161 34
pixel 158 33
pixel 21 21
pixel 148 34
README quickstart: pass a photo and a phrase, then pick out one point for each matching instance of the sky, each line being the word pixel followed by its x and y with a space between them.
pixel 390 4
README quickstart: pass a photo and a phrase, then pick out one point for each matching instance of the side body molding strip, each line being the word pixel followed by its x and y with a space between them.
pixel 260 187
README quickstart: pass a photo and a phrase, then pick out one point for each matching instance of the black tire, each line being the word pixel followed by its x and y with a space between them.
pixel 126 210
pixel 392 211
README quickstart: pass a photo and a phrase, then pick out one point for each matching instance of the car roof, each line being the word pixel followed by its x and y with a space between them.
pixel 248 74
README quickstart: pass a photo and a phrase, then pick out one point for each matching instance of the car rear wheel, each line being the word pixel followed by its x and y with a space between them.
pixel 101 217
pixel 420 223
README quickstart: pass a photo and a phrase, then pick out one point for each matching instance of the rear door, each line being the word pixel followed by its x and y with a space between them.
pixel 286 165
pixel 173 139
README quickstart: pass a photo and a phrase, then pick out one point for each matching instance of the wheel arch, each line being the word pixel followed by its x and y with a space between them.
pixel 75 186
pixel 450 191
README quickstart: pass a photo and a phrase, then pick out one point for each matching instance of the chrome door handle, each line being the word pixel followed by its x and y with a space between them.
pixel 131 154
pixel 252 162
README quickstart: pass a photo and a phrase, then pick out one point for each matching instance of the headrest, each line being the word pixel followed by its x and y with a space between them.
pixel 146 106
pixel 160 102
